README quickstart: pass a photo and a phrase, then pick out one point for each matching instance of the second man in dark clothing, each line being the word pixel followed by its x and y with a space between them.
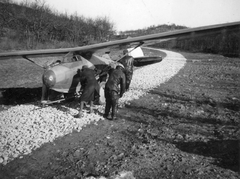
pixel 114 89
pixel 127 62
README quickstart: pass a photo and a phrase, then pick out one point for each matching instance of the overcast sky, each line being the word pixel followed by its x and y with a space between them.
pixel 137 14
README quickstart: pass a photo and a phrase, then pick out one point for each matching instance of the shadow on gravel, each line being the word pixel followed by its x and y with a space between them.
pixel 225 152
pixel 172 122
pixel 232 105
pixel 17 96
pixel 169 114
pixel 14 96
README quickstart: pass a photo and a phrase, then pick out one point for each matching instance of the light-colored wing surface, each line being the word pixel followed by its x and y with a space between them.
pixel 147 38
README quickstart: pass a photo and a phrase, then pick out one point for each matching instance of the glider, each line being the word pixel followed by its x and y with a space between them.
pixel 62 76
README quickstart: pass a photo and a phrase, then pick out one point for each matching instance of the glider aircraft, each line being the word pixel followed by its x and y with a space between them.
pixel 62 76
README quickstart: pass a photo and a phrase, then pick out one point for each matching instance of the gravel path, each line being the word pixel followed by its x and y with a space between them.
pixel 24 128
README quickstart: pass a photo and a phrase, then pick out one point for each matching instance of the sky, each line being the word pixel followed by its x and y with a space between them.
pixel 139 14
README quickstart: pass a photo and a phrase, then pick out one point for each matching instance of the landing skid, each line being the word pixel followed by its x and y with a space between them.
pixel 47 102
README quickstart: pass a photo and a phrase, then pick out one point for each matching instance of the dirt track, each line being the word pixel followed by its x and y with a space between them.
pixel 190 132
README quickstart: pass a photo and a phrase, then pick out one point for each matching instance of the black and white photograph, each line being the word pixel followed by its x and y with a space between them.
pixel 119 89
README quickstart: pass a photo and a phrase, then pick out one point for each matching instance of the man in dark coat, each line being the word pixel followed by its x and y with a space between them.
pixel 90 88
pixel 127 62
pixel 112 90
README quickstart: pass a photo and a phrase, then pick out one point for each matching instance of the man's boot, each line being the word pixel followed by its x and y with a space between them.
pixel 114 112
pixel 91 107
pixel 107 109
pixel 80 114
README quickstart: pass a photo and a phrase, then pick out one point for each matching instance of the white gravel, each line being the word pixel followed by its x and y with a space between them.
pixel 24 128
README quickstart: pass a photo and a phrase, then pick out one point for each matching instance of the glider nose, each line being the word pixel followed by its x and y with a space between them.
pixel 49 78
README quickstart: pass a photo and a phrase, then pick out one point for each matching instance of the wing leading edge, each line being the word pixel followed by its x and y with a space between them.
pixel 134 40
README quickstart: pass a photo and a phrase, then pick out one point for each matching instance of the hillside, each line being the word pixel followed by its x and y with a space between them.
pixel 36 26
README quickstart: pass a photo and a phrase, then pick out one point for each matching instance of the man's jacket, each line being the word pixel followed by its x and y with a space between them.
pixel 116 78
pixel 127 62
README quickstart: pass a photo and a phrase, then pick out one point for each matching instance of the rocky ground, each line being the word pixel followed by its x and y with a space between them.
pixel 187 127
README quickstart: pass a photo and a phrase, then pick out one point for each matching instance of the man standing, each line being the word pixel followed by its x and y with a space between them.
pixel 127 62
pixel 112 90
pixel 90 88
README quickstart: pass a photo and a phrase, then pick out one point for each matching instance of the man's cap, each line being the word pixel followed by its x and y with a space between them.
pixel 125 51
pixel 84 66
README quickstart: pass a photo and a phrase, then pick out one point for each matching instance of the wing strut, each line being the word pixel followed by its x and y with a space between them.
pixel 140 43
pixel 25 57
